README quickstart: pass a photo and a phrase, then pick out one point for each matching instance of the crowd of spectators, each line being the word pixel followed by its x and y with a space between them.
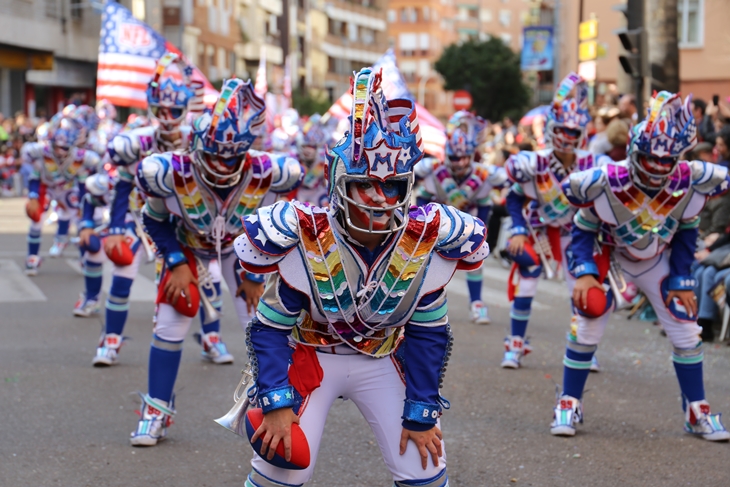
pixel 14 132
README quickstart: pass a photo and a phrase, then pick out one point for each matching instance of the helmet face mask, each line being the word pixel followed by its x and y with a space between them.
pixel 566 139
pixel 462 138
pixel 67 134
pixel 568 117
pixel 459 165
pixel 375 206
pixel 167 99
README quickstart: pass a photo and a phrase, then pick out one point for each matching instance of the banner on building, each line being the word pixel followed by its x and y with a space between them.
pixel 128 51
pixel 395 86
pixel 537 49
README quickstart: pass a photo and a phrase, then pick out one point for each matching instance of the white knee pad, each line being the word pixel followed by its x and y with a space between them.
pixel 526 287
pixel 682 335
pixel 171 325
pixel 130 271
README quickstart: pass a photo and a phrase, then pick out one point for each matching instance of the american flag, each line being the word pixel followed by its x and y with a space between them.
pixel 128 52
pixel 394 86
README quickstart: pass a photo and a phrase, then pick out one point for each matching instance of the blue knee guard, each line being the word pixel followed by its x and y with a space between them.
pixel 117 304
pixel 688 367
pixel 577 366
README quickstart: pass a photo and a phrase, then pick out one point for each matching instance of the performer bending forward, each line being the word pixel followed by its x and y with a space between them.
pixel 360 289
pixel 193 212
pixel 541 214
pixel 648 208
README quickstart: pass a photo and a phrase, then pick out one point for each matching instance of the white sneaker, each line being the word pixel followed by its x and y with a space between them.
pixel 32 263
pixel 480 313
pixel 152 426
pixel 515 347
pixel 699 421
pixel 595 366
pixel 85 308
pixel 108 350
pixel 213 348
pixel 566 414
pixel 57 248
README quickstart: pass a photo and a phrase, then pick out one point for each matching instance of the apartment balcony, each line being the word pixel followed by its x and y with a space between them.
pixel 272 6
pixel 252 51
pixel 357 14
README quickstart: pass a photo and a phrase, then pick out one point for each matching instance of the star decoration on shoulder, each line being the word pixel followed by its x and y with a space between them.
pixel 466 248
pixel 261 237
pixel 252 218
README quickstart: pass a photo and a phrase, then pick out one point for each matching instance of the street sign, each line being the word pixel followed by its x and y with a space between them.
pixel 587 51
pixel 462 100
pixel 588 30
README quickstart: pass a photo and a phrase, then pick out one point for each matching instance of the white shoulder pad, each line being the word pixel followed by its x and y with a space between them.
pixel 520 167
pixel 128 147
pixel 98 184
pixel 707 178
pixel 268 235
pixel 287 173
pixel 585 186
pixel 460 234
pixel 91 159
pixel 32 151
pixel 497 176
pixel 154 176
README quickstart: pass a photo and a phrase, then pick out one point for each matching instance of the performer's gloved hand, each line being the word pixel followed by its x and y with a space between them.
pixel 517 244
pixel 276 427
pixel 180 278
pixel 426 441
pixel 84 236
pixel 250 291
pixel 580 292
pixel 688 300
pixel 113 242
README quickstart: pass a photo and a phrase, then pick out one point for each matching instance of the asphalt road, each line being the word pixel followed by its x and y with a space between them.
pixel 65 423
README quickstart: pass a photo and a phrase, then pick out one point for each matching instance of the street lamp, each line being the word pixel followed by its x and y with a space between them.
pixel 422 87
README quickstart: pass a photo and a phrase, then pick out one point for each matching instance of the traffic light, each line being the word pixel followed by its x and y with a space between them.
pixel 631 62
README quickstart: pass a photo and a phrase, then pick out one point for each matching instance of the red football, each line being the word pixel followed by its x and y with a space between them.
pixel 596 305
pixel 35 215
pixel 123 257
pixel 182 305
pixel 299 444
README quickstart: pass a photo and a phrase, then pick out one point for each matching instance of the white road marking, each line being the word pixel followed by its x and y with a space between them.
pixel 15 286
pixel 143 290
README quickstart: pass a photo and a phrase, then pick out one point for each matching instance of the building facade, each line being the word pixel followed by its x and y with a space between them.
pixel 356 37
pixel 48 52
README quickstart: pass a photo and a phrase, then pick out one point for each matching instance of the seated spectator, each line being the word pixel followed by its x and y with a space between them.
pixel 722 146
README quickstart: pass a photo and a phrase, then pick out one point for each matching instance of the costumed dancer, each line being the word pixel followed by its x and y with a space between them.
pixel 169 103
pixel 541 214
pixel 194 210
pixel 465 184
pixel 311 152
pixel 108 127
pixel 359 288
pixel 60 167
pixel 645 212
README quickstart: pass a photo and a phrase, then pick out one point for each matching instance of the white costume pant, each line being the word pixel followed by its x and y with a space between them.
pixel 377 390
pixel 527 287
pixel 648 276
pixel 173 326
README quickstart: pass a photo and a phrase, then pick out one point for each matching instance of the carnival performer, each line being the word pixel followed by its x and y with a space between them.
pixel 359 288
pixel 311 153
pixel 61 165
pixel 541 215
pixel 107 127
pixel 194 210
pixel 645 210
pixel 169 103
pixel 465 184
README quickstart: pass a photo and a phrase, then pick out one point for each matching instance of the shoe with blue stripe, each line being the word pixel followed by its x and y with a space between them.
pixel 566 414
pixel 698 420
pixel 152 426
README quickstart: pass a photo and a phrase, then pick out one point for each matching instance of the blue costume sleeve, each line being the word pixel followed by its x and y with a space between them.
pixel 515 201
pixel 483 213
pixel 423 357
pixel 87 212
pixel 270 347
pixel 34 187
pixel 683 245
pixel 582 244
pixel 119 206
pixel 163 234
